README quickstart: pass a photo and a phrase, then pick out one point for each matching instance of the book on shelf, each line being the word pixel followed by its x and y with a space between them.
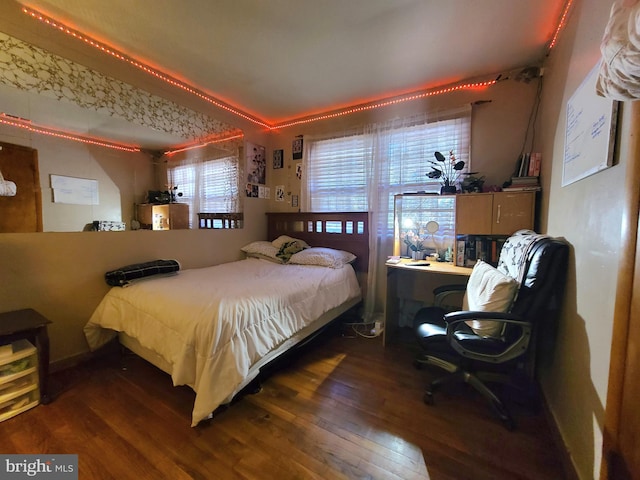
pixel 526 183
pixel 535 162
pixel 524 165
pixel 522 188
pixel 525 180
pixel 471 248
pixel 528 165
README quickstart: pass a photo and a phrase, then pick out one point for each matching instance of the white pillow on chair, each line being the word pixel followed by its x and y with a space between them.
pixel 488 290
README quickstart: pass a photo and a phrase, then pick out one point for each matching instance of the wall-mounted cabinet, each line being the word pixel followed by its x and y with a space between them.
pixel 485 220
pixel 463 228
pixel 498 213
pixel 170 216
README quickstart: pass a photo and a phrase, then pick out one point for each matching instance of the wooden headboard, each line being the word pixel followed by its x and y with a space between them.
pixel 343 231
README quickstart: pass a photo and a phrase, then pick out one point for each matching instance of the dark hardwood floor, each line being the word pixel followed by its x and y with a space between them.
pixel 344 407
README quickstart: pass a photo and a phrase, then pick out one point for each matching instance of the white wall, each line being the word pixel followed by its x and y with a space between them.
pixel 497 132
pixel 587 214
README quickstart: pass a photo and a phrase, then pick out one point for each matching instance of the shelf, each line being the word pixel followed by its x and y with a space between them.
pixel 15 376
pixel 19 386
pixel 21 349
pixel 12 413
pixel 15 393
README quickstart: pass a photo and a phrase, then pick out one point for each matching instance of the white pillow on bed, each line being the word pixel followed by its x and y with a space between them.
pixel 282 239
pixel 326 257
pixel 262 249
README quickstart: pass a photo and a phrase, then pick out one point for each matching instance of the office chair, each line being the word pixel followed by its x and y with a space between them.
pixel 506 310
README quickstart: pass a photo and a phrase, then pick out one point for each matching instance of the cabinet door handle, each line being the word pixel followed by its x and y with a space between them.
pixel 498 216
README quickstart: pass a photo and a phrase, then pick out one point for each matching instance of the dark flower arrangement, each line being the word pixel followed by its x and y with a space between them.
pixel 446 170
pixel 168 196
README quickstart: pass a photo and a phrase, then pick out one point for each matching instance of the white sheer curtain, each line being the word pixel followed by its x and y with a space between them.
pixel 362 170
pixel 209 180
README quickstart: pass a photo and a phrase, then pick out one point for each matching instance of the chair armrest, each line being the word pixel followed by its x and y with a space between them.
pixel 441 293
pixel 515 349
pixel 463 316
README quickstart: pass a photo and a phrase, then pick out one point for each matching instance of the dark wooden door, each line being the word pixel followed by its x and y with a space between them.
pixel 22 212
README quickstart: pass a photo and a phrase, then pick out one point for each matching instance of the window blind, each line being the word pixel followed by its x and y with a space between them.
pixel 339 170
pixel 210 186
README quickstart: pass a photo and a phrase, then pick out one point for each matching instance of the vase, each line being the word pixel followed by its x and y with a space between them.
pixel 417 255
pixel 448 190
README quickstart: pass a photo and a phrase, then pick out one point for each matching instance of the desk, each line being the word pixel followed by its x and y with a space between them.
pixel 394 270
pixel 31 325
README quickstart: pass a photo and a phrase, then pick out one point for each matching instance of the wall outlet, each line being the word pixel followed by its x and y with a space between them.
pixel 377 329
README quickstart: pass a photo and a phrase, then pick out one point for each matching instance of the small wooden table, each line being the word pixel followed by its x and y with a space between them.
pixel 30 325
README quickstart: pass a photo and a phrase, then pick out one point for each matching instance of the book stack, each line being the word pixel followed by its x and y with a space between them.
pixel 523 184
pixel 527 173
pixel 471 248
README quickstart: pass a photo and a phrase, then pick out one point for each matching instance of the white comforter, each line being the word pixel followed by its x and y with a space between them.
pixel 212 324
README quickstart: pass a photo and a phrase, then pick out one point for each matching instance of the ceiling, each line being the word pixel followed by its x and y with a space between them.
pixel 281 60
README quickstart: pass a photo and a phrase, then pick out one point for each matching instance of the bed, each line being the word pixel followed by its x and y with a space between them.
pixel 214 328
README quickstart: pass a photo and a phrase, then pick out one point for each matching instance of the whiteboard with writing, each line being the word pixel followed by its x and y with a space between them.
pixel 590 132
pixel 77 191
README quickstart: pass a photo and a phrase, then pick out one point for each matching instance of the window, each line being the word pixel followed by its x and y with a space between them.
pixel 364 170
pixel 337 174
pixel 209 186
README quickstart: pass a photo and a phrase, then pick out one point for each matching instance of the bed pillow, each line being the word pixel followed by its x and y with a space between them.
pixel 326 257
pixel 488 290
pixel 124 276
pixel 262 249
pixel 287 249
pixel 282 239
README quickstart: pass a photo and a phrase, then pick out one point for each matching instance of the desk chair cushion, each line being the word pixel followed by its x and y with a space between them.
pixel 488 290
pixel 431 331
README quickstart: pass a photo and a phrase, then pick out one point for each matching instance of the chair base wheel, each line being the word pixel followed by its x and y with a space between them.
pixel 428 398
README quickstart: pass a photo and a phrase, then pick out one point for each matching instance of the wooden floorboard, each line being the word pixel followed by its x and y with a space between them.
pixel 342 408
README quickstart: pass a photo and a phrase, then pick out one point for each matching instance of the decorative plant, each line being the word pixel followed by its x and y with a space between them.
pixel 413 241
pixel 172 193
pixel 168 196
pixel 472 183
pixel 446 170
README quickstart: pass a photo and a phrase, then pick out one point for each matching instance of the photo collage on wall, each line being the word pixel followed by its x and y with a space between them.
pixel 256 168
pixel 278 162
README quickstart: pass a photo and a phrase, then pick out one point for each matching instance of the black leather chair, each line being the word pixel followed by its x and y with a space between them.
pixel 539 264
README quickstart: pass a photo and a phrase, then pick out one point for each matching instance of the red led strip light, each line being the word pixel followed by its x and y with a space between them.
pixel 561 24
pixel 189 89
pixel 200 145
pixel 28 125
pixel 387 103
pixel 145 68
